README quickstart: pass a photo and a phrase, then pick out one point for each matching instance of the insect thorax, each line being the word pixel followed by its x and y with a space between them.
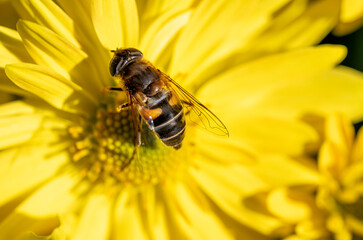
pixel 138 76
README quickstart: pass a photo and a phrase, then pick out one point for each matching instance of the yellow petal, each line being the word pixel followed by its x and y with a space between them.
pixel 57 234
pixel 12 156
pixel 302 28
pixel 50 86
pixel 259 133
pixel 285 171
pixel 292 206
pixel 160 225
pixel 52 50
pixel 54 198
pixel 23 224
pixel 28 168
pixel 128 218
pixel 335 153
pixel 351 10
pixel 339 131
pixel 155 215
pixel 14 108
pixel 41 81
pixel 339 90
pixel 355 224
pixel 8 15
pixel 69 223
pixel 331 160
pixel 7 159
pixel 95 219
pixel 6 97
pixel 224 150
pixel 18 129
pixel 150 11
pixel 157 39
pixel 249 84
pixel 357 153
pixel 337 225
pixel 8 87
pixel 49 49
pixel 231 176
pixel 285 17
pixel 47 13
pixel 190 210
pixel 116 22
pixel 11 47
pixel 227 186
pixel 207 39
pixel 80 13
pixel 315 24
pixel 314 228
pixel 343 28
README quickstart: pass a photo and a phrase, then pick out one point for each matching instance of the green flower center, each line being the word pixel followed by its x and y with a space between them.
pixel 106 144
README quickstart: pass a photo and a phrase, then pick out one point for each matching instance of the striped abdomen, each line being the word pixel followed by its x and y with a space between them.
pixel 164 114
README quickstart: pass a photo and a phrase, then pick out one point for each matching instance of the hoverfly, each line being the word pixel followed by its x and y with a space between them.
pixel 160 101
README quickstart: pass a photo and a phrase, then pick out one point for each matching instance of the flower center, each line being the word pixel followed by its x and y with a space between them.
pixel 103 148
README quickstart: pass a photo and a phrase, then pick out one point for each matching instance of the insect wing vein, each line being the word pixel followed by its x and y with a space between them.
pixel 197 112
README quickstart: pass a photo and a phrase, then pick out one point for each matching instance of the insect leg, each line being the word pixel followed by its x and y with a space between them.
pixel 108 89
pixel 137 135
pixel 123 106
pixel 119 107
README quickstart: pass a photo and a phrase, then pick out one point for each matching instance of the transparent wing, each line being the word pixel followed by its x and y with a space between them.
pixel 195 110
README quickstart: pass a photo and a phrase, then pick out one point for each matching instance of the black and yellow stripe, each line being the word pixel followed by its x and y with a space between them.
pixel 170 124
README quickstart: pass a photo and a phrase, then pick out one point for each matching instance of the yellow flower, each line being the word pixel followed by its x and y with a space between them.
pixel 350 17
pixel 340 192
pixel 329 207
pixel 62 145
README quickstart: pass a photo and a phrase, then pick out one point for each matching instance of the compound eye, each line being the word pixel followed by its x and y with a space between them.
pixel 114 63
pixel 134 53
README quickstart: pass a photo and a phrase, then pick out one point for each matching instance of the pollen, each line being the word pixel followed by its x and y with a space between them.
pixel 103 146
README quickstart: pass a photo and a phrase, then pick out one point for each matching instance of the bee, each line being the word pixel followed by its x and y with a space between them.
pixel 160 101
